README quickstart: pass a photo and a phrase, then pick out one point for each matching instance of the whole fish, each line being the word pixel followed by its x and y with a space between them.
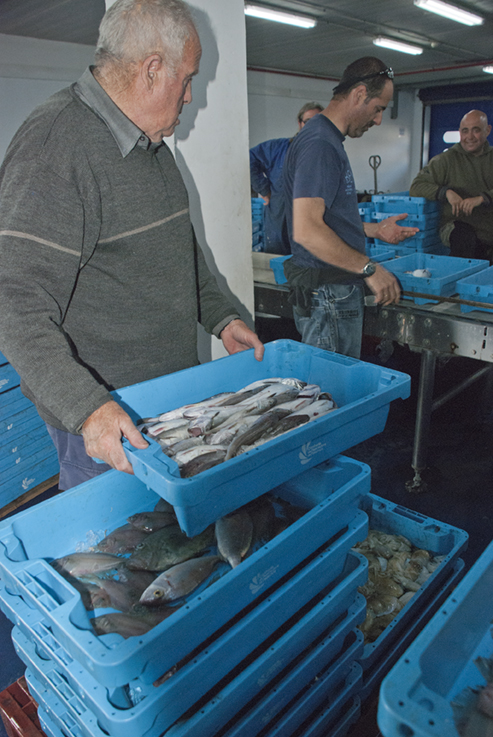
pixel 263 516
pixel 122 540
pixel 179 580
pixel 174 414
pixel 314 410
pixel 167 547
pixel 185 456
pixel 129 624
pixel 234 536
pixel 93 595
pixel 224 435
pixel 151 521
pixel 199 425
pixel 163 506
pixel 174 448
pixel 163 428
pixel 203 463
pixel 263 424
pixel 123 595
pixel 80 564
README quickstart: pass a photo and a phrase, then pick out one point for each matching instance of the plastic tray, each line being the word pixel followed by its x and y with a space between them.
pixel 477 288
pixel 426 533
pixel 402 202
pixel 320 708
pixel 445 272
pixel 331 493
pixel 160 707
pixel 366 210
pixel 277 266
pixel 157 712
pixel 422 241
pixel 415 697
pixel 423 221
pixel 9 378
pixel 28 477
pixel 363 392
pixel 13 401
pixel 374 674
pixel 379 253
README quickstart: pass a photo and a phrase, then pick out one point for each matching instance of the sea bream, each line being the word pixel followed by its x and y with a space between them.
pixel 167 547
pixel 234 536
pixel 179 580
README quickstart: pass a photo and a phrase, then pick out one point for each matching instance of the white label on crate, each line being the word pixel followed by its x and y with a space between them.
pixel 308 450
pixel 26 483
pixel 3 382
pixel 261 579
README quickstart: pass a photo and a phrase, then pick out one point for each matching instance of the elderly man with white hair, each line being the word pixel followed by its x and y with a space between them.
pixel 102 281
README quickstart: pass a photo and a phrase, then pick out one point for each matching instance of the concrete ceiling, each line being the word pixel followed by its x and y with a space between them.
pixel 345 31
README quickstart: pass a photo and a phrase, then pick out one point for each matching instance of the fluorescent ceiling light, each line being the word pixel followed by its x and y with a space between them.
pixel 450 11
pixel 389 43
pixel 488 70
pixel 290 18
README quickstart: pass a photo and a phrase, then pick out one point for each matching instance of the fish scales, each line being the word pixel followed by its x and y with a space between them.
pixel 179 580
pixel 234 536
pixel 167 547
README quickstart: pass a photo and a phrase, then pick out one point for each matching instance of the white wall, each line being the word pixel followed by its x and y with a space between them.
pixel 274 101
pixel 30 71
pixel 212 153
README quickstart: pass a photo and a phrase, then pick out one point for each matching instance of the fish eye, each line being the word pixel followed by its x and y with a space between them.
pixel 158 594
pixel 139 546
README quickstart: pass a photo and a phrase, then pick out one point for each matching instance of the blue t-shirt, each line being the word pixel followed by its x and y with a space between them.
pixel 316 165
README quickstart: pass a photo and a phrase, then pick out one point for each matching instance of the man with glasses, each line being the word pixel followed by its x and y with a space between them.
pixel 329 269
pixel 266 160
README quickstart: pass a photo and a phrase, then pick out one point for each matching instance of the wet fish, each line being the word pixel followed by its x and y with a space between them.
pixel 264 423
pixel 163 506
pixel 151 521
pixel 122 540
pixel 263 518
pixel 203 463
pixel 129 624
pixel 179 580
pixel 161 429
pixel 167 547
pixel 186 456
pixel 225 434
pixel 123 595
pixel 80 564
pixel 184 409
pixel 185 444
pixel 234 536
pixel 314 410
pixel 93 595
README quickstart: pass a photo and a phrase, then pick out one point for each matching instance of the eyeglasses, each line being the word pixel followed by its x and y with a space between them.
pixel 388 72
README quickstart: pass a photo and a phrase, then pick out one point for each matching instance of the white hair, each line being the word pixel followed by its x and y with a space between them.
pixel 132 30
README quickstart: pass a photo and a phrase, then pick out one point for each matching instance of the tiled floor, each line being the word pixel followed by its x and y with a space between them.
pixel 459 477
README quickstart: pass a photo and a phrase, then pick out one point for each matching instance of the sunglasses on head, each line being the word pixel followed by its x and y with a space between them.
pixel 388 72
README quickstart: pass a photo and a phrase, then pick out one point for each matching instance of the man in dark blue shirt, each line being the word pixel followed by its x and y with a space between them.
pixel 329 268
pixel 266 161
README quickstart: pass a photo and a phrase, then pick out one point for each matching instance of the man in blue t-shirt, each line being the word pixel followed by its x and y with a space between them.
pixel 329 268
pixel 266 160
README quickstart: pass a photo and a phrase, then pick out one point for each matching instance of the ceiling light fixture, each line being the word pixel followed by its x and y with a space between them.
pixel 291 19
pixel 388 43
pixel 488 70
pixel 450 11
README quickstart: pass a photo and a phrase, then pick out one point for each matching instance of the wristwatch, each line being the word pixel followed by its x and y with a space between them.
pixel 369 269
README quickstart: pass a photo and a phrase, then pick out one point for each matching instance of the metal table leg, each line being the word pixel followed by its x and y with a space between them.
pixel 423 419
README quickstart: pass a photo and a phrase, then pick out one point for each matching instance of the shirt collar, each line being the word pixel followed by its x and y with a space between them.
pixel 126 134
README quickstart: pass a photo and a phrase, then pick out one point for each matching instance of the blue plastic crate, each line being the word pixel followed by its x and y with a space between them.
pixel 402 202
pixel 477 288
pixel 281 696
pixel 9 378
pixel 27 478
pixel 422 241
pixel 321 709
pixel 425 533
pixel 159 708
pixel 363 392
pixel 13 401
pixel 374 674
pixel 20 423
pixel 445 273
pixel 277 266
pixel 416 696
pixel 380 253
pixel 424 221
pixel 331 495
pixel 366 210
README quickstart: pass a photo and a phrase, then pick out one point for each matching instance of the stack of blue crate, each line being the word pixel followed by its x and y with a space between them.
pixel 366 210
pixel 258 224
pixel 27 454
pixel 421 213
pixel 271 647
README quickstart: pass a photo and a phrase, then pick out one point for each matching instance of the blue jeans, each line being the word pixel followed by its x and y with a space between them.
pixel 75 465
pixel 336 320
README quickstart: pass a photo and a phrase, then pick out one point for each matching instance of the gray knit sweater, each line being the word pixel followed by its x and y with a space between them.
pixel 101 280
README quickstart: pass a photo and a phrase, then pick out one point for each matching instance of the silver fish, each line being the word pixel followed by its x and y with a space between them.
pixel 167 547
pixel 186 456
pixel 185 409
pixel 80 564
pixel 314 410
pixel 151 521
pixel 234 536
pixel 203 463
pixel 161 428
pixel 129 624
pixel 224 435
pixel 122 540
pixel 185 444
pixel 264 423
pixel 179 580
